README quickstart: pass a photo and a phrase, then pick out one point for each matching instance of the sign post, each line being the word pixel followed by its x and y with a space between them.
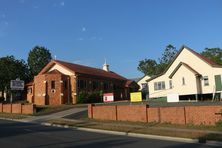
pixel 16 85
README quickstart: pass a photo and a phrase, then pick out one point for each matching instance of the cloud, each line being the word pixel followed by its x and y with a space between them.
pixel 80 39
pixel 62 4
pixel 36 7
pixel 83 29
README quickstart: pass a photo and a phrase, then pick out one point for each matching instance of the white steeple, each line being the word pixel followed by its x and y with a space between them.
pixel 105 66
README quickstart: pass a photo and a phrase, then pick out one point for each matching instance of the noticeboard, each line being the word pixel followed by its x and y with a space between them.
pixel 17 84
pixel 108 97
pixel 136 97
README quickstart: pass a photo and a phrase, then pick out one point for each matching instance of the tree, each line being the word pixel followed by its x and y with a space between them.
pixel 167 56
pixel 151 67
pixel 10 69
pixel 214 54
pixel 147 66
pixel 38 57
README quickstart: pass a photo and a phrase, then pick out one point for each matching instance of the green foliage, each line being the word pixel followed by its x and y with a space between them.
pixel 10 69
pixel 168 54
pixel 151 67
pixel 214 54
pixel 37 59
pixel 147 66
pixel 219 124
pixel 90 97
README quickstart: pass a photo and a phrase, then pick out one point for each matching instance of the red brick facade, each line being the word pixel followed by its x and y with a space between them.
pixel 196 115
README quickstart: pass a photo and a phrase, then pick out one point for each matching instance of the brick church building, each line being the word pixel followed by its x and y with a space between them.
pixel 60 82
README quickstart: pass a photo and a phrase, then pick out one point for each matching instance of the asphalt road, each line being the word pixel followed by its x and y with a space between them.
pixel 17 134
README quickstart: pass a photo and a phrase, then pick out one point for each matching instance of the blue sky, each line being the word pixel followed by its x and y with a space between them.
pixel 122 31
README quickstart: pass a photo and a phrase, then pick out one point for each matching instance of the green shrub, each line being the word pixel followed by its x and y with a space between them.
pixel 90 97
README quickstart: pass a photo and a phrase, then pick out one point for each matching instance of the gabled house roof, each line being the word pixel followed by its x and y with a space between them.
pixel 187 66
pixel 203 58
pixel 81 69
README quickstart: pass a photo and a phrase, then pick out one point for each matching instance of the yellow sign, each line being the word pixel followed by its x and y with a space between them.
pixel 136 97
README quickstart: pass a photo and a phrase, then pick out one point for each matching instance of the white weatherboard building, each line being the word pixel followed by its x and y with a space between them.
pixel 190 76
pixel 142 82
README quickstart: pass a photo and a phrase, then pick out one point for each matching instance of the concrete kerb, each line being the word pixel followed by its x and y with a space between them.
pixel 136 135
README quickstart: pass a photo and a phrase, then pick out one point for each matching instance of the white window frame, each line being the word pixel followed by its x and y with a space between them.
pixel 206 80
pixel 159 85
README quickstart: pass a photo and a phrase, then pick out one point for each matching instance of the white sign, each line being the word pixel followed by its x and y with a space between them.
pixel 172 98
pixel 17 84
pixel 108 97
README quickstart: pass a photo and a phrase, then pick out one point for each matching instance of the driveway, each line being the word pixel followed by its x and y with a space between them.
pixel 39 119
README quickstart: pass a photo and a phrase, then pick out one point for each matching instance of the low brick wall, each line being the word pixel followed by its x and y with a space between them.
pixel 196 115
pixel 174 115
pixel 18 108
pixel 132 113
pixel 6 108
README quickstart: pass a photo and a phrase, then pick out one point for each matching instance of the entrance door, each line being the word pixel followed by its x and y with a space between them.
pixel 218 82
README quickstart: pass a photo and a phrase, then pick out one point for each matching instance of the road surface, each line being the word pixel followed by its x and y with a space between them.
pixel 31 135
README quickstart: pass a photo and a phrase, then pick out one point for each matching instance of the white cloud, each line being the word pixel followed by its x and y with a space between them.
pixel 80 39
pixel 83 29
pixel 62 4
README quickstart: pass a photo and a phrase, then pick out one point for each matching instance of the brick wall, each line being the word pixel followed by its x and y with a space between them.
pixel 153 114
pixel 54 95
pixel 196 115
pixel 28 109
pixel 132 113
pixel 7 108
pixel 44 94
pixel 18 108
pixel 108 112
pixel 1 109
pixel 203 115
pixel 174 115
pixel 90 111
pixel 40 90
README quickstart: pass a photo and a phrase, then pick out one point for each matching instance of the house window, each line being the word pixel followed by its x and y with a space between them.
pixel 82 84
pixel 105 86
pixel 52 84
pixel 171 84
pixel 206 80
pixel 183 81
pixel 159 85
pixel 95 85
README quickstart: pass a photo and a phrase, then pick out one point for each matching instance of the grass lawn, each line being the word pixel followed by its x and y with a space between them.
pixel 13 116
pixel 188 131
